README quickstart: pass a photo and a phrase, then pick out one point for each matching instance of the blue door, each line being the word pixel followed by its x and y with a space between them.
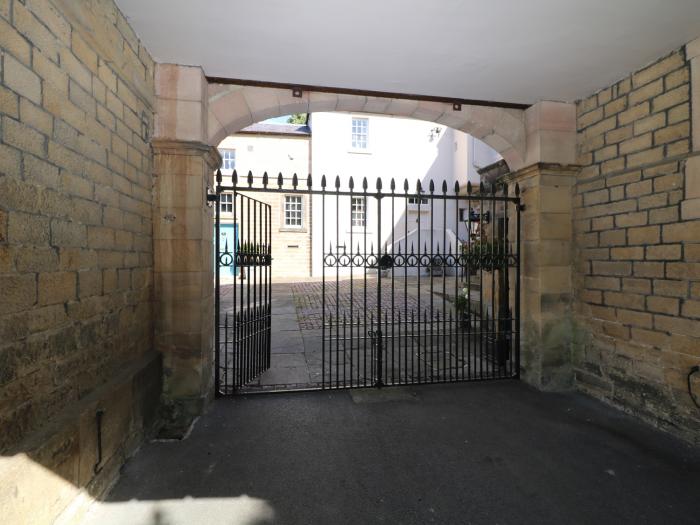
pixel 228 237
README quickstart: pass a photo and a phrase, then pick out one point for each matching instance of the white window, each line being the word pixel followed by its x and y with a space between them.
pixel 226 200
pixel 228 157
pixel 292 211
pixel 414 200
pixel 360 133
pixel 357 212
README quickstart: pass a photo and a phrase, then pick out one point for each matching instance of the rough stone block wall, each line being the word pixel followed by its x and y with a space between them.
pixel 637 296
pixel 76 261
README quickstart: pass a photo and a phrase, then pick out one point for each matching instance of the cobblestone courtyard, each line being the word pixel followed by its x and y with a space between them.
pixel 425 347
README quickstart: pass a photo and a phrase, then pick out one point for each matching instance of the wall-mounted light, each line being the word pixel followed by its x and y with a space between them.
pixel 456 106
pixel 211 197
pixel 296 92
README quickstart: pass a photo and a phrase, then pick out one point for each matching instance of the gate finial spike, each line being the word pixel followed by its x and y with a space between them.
pixel 444 186
pixel 425 247
pixel 351 183
pixel 250 178
pixel 337 182
pixel 405 185
pixel 456 187
pixel 295 181
pixel 392 185
pixel 265 180
pixel 308 181
pixel 450 252
pixel 412 248
pixel 481 187
pixel 219 179
pixel 364 183
pixel 358 247
pixel 323 182
pixel 226 245
pixel 438 248
pixel 431 186
pixel 379 184
pixel 234 177
pixel 330 247
pixel 493 188
pixel 517 189
pixel 280 180
pixel 419 188
pixel 469 188
pixel 504 187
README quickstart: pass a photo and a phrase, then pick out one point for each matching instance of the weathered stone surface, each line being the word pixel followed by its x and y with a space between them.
pixel 639 262
pixel 75 245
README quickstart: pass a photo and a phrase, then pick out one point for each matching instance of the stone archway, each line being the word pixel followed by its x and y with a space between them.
pixel 231 108
pixel 193 116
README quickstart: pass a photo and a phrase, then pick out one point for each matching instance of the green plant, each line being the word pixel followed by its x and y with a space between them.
pixel 461 303
pixel 484 254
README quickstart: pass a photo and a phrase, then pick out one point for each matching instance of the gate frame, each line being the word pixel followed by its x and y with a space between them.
pixel 511 259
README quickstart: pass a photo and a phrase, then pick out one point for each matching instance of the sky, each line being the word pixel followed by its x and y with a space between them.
pixel 278 120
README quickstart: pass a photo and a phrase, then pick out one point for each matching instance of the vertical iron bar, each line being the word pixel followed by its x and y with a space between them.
pixel 393 227
pixel 405 282
pixel 457 327
pixel 337 277
pixel 269 285
pixel 379 336
pixel 419 265
pixel 481 281
pixel 431 188
pixel 217 285
pixel 492 327
pixel 323 283
pixel 445 351
pixel 364 279
pixel 237 268
pixel 352 268
pixel 256 311
pixel 517 283
pixel 413 341
pixel 249 352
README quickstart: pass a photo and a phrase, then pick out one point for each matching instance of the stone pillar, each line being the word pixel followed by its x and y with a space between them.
pixel 546 274
pixel 546 186
pixel 183 244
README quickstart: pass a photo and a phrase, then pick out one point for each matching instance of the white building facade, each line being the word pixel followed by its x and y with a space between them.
pixel 374 147
pixel 362 147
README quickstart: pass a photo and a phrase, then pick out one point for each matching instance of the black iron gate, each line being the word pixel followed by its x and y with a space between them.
pixel 243 277
pixel 416 284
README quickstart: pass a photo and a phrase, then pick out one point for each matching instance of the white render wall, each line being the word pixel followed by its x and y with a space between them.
pixel 272 153
pixel 399 148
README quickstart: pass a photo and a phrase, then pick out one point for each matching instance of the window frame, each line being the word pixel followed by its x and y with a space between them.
pixel 355 142
pixel 226 201
pixel 293 227
pixel 353 221
pixel 224 160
